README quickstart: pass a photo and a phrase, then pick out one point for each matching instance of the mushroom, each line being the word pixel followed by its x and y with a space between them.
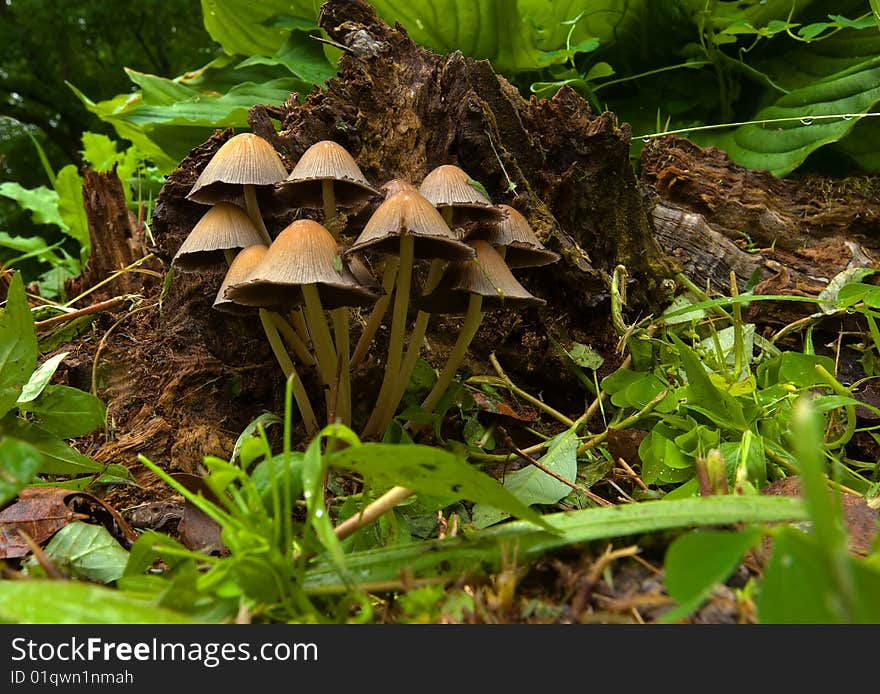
pixel 326 176
pixel 303 266
pixel 517 243
pixel 243 163
pixel 460 198
pixel 409 226
pixel 222 229
pixel 472 288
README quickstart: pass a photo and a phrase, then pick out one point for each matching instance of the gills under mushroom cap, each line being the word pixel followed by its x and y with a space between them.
pixel 224 227
pixel 487 275
pixel 304 253
pixel 325 161
pixel 409 213
pixel 245 159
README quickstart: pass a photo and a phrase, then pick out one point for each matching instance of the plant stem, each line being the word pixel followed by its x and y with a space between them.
pixel 299 392
pixel 472 321
pixel 292 338
pixel 395 344
pixel 253 211
pixel 389 277
pixel 567 421
pixel 343 348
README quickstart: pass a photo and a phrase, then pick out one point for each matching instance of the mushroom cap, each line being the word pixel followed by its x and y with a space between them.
pixel 239 271
pixel 325 161
pixel 304 253
pixel 408 212
pixel 523 247
pixel 451 186
pixel 223 227
pixel 486 275
pixel 243 159
pixel 358 218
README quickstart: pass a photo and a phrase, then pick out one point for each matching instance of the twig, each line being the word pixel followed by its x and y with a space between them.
pixel 531 461
pixel 632 474
pixel 526 396
pixel 108 305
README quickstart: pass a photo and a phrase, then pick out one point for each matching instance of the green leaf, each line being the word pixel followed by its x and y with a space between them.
pixel 100 151
pixel 69 602
pixel 482 549
pixel 87 551
pixel 263 480
pixel 68 185
pixel 58 457
pixel 239 25
pixel 781 147
pixel 532 485
pixel 67 412
pixel 19 462
pixel 431 471
pixel 300 54
pixel 695 563
pixel 18 345
pixel 40 377
pixel 41 202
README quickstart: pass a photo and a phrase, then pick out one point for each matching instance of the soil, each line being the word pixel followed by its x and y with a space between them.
pixel 182 381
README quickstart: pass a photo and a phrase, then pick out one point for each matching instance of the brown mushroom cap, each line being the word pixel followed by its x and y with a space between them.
pixel 239 271
pixel 523 247
pixel 243 159
pixel 304 253
pixel 325 161
pixel 409 213
pixel 486 275
pixel 450 186
pixel 224 227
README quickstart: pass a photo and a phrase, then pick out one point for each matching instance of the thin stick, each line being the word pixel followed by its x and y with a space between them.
pixel 389 278
pixel 292 338
pixel 527 396
pixel 372 511
pixel 286 364
pixel 103 342
pixel 590 495
pixel 128 268
pixel 632 474
pixel 253 211
pixel 99 307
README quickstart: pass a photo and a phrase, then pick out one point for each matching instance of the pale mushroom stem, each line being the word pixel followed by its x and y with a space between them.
pixel 379 308
pixel 299 391
pixel 417 337
pixel 343 347
pixel 469 328
pixel 323 343
pixel 253 212
pixel 299 324
pixel 395 344
pixel 329 198
pixel 293 339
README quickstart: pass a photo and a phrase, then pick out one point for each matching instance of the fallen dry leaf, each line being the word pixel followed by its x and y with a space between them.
pixel 40 512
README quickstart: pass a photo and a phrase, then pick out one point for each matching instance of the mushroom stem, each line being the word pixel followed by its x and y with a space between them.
pixel 472 321
pixel 379 308
pixel 253 211
pixel 284 360
pixel 293 339
pixel 329 198
pixel 343 348
pixel 372 511
pixel 323 343
pixel 299 324
pixel 395 343
pixel 417 337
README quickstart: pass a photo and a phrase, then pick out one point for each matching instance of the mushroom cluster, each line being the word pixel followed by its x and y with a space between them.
pixel 467 245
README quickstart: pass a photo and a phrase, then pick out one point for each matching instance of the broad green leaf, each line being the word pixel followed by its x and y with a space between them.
pixel 265 420
pixel 100 151
pixel 432 471
pixel 68 185
pixel 483 549
pixel 41 202
pixel 781 147
pixel 696 562
pixel 532 485
pixel 19 462
pixel 301 55
pixel 71 602
pixel 727 340
pixel 794 368
pixel 662 461
pixel 18 345
pixel 87 551
pixel 67 412
pixel 40 377
pixel 240 25
pixel 58 457
pixel 263 481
